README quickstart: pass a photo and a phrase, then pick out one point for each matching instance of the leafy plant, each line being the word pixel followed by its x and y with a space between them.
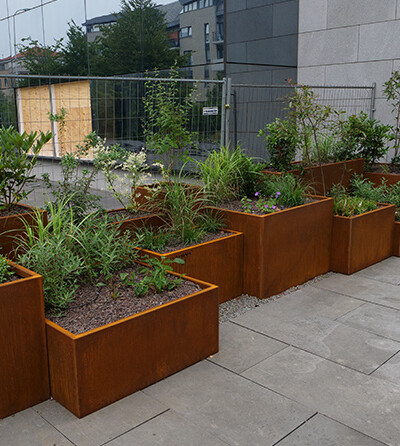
pixel 59 118
pixel 156 278
pixel 348 206
pixel 19 155
pixel 363 137
pixel 154 239
pixel 108 159
pixel 73 190
pixel 229 175
pixel 167 119
pixel 66 252
pixel 285 189
pixel 281 140
pixel 5 270
pixel 392 94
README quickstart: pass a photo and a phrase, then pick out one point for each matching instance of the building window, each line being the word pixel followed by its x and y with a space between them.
pixel 185 32
pixel 198 4
pixel 190 58
pixel 206 73
pixel 220 51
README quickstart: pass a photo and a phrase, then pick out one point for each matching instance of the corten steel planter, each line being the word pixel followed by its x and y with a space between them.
pixel 24 371
pixel 285 248
pixel 362 240
pixel 96 368
pixel 130 224
pixel 396 239
pixel 218 261
pixel 334 173
pixel 377 177
pixel 13 227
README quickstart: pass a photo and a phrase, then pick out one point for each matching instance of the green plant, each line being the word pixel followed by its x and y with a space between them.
pixel 363 137
pixel 281 140
pixel 73 190
pixel 59 118
pixel 154 239
pixel 392 94
pixel 156 278
pixel 347 206
pixel 124 188
pixel 229 174
pixel 19 155
pixel 286 189
pixel 167 119
pixel 5 270
pixel 66 252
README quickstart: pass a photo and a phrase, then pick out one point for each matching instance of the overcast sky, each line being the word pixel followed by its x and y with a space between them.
pixel 56 18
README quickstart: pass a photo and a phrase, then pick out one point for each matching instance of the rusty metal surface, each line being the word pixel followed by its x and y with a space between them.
pixel 362 240
pixel 24 376
pixel 94 369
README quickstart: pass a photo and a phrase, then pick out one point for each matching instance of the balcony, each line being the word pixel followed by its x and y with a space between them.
pixel 217 37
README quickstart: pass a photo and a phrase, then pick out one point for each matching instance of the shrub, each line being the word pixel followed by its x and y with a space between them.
pixel 19 155
pixel 347 206
pixel 5 270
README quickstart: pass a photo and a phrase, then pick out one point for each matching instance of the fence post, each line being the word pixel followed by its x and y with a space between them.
pixel 227 112
pixel 223 102
pixel 372 106
pixel 54 124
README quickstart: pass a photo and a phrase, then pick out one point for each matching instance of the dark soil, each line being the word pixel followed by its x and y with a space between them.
pixel 377 168
pixel 120 215
pixel 11 278
pixel 94 306
pixel 175 245
pixel 15 210
pixel 238 206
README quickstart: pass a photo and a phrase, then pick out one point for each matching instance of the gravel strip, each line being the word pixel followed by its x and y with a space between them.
pixel 244 303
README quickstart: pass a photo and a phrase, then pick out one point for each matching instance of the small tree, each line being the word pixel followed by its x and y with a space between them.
pixel 19 154
pixel 167 118
pixel 392 94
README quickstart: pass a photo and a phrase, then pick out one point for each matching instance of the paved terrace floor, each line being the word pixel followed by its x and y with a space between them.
pixel 319 366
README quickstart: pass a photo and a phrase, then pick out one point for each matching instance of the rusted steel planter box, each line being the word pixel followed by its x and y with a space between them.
pixel 362 240
pixel 396 239
pixel 218 261
pixel 130 224
pixel 377 177
pixel 13 226
pixel 334 173
pixel 23 354
pixel 285 248
pixel 96 368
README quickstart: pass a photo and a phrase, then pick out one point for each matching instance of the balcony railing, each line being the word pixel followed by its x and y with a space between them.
pixel 217 37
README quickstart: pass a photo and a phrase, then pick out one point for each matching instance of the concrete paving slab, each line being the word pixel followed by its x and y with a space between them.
pixel 354 348
pixel 312 301
pixel 105 424
pixel 323 431
pixel 28 428
pixel 375 319
pixel 228 406
pixel 168 428
pixel 364 403
pixel 386 271
pixel 362 288
pixel 390 370
pixel 240 348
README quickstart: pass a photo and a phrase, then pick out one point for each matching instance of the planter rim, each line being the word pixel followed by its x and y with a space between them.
pixel 382 206
pixel 202 284
pixel 26 274
pixel 29 210
pixel 231 235
pixel 318 198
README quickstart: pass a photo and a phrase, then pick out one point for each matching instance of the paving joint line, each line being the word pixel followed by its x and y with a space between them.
pixel 383 363
pixel 135 427
pixel 295 429
pixel 51 424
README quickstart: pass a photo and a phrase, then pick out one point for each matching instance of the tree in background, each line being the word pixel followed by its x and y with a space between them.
pixel 138 41
pixel 135 43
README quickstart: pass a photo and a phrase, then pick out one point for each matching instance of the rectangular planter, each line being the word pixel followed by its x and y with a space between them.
pixel 377 177
pixel 396 239
pixel 96 368
pixel 362 240
pixel 23 353
pixel 135 222
pixel 218 261
pixel 334 173
pixel 13 226
pixel 285 248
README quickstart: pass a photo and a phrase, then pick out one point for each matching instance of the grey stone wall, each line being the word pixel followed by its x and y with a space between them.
pixel 261 40
pixel 349 42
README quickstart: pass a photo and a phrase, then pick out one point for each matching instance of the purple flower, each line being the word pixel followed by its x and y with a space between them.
pixel 257 194
pixel 277 194
pixel 266 206
pixel 273 207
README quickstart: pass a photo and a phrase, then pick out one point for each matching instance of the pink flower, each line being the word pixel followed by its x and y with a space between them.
pixel 257 194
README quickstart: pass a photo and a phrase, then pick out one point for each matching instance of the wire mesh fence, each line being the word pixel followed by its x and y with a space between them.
pixel 254 106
